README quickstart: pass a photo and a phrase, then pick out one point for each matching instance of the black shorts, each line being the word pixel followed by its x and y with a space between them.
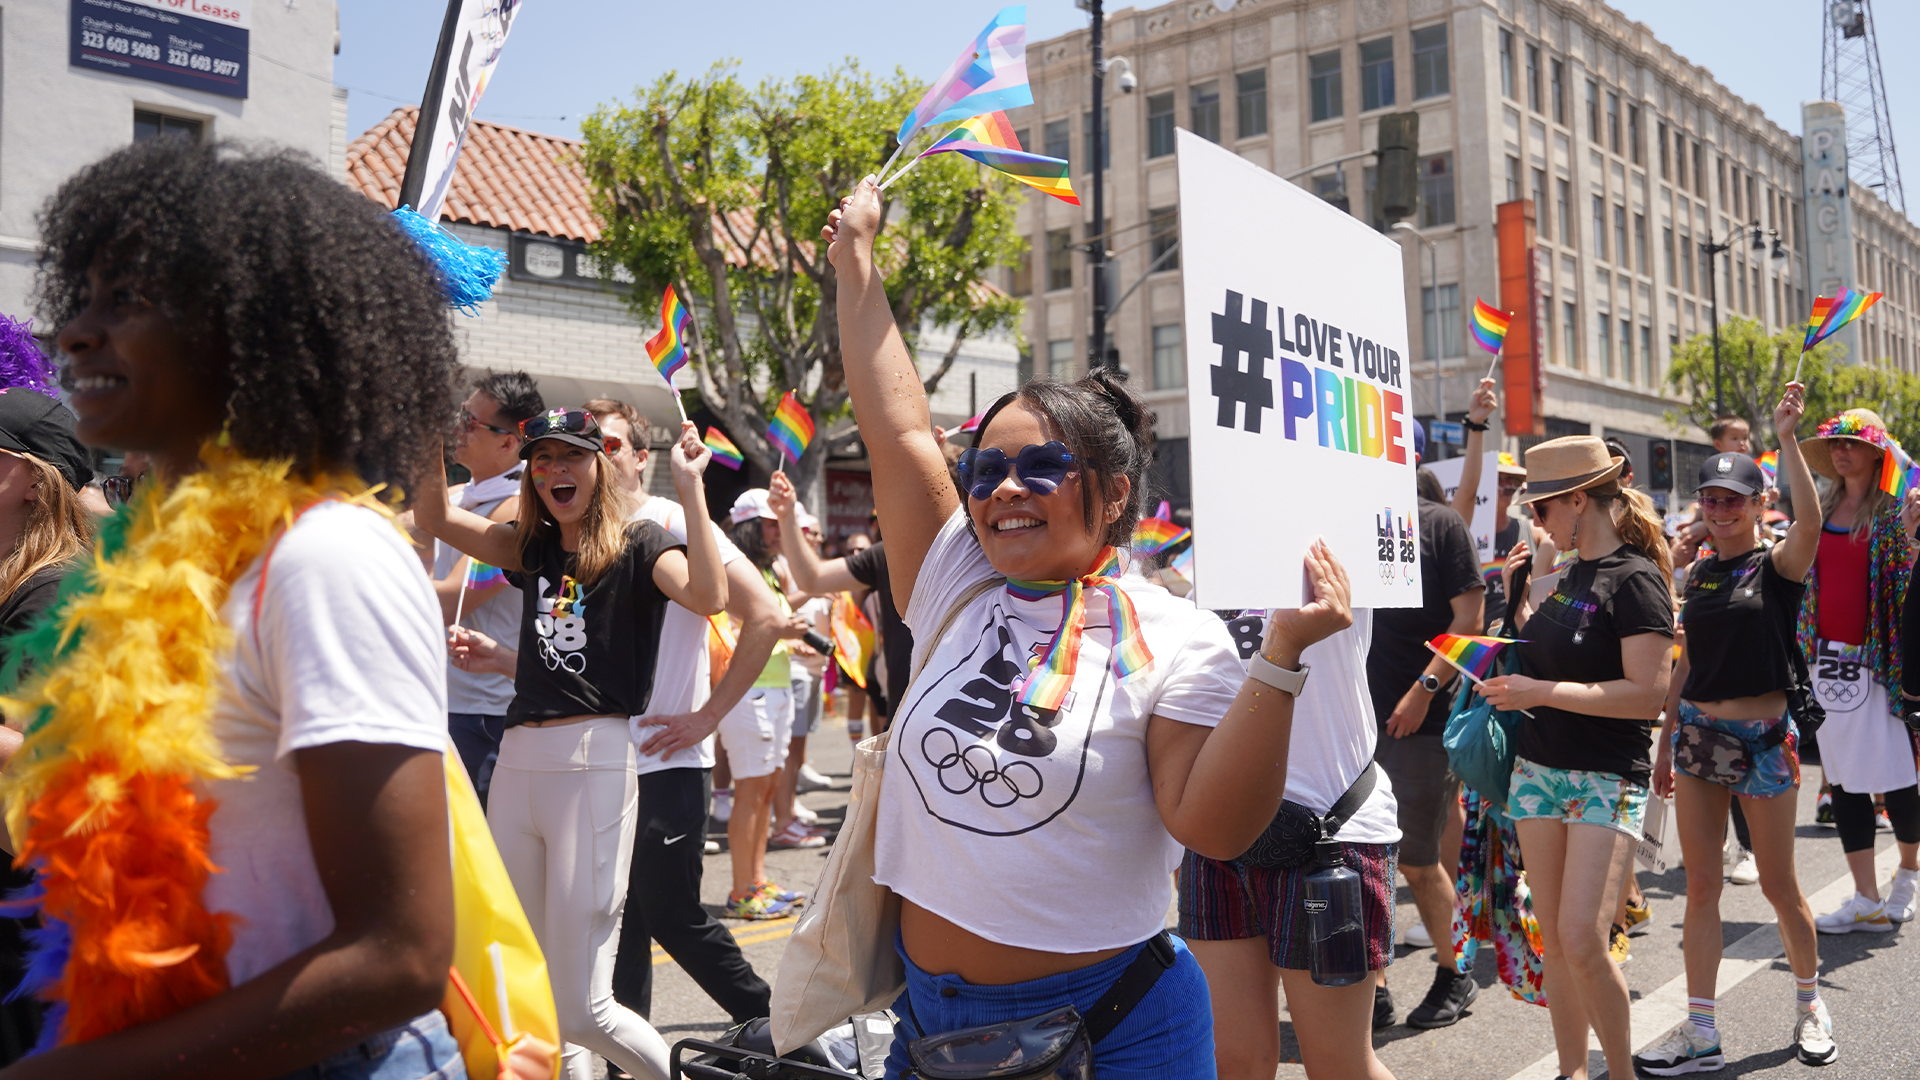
pixel 1222 901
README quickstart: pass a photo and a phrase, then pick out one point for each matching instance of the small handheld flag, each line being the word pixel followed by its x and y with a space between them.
pixel 1830 315
pixel 1489 325
pixel 479 575
pixel 990 74
pixel 990 141
pixel 1471 655
pixel 1769 463
pixel 1154 535
pixel 791 429
pixel 723 449
pixel 1896 470
pixel 668 348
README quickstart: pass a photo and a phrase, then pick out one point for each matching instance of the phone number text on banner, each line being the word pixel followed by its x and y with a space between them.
pixel 164 41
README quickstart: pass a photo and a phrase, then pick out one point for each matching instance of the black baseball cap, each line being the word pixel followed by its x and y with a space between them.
pixel 1734 471
pixel 33 423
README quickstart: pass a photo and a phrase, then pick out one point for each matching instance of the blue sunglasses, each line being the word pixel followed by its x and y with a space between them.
pixel 1042 468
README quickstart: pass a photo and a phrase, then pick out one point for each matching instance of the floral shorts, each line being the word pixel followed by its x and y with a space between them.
pixel 1576 796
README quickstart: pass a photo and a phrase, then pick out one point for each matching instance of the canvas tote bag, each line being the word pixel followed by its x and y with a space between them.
pixel 840 961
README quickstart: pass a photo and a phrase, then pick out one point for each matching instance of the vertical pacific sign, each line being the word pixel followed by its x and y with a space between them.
pixel 479 33
pixel 195 44
pixel 1823 164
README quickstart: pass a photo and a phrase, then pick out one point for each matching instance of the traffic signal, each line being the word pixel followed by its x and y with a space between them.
pixel 1398 155
pixel 1662 466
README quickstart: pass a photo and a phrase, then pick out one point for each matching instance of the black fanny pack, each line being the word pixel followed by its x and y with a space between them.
pixel 1287 843
pixel 1056 1045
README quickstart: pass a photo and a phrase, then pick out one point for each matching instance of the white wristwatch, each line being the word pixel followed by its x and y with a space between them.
pixel 1259 667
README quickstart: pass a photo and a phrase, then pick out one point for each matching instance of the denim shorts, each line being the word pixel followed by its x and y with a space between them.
pixel 421 1050
pixel 1576 796
pixel 1168 1035
pixel 1775 771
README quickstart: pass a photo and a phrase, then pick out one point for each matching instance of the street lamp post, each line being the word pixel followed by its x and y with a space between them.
pixel 1712 251
pixel 1097 251
pixel 1433 264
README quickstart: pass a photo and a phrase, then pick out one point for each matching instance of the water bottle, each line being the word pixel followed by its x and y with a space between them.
pixel 1336 938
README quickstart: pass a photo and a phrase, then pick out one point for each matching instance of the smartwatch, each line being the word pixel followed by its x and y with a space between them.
pixel 1429 682
pixel 1290 682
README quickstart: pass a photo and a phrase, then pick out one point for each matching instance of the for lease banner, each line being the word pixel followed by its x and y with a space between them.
pixel 195 44
pixel 1296 329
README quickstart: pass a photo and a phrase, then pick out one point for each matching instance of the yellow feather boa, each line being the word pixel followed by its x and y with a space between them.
pixel 102 795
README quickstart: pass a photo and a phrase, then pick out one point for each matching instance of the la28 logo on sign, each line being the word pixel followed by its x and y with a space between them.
pixel 1395 550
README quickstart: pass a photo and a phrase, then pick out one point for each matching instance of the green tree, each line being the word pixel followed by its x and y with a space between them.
pixel 721 191
pixel 1754 367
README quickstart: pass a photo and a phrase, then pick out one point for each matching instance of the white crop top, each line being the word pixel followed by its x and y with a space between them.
pixel 998 832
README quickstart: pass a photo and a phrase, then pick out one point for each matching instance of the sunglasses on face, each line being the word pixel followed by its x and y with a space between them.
pixel 1041 467
pixel 559 422
pixel 118 489
pixel 1713 504
pixel 611 444
pixel 1511 489
pixel 473 421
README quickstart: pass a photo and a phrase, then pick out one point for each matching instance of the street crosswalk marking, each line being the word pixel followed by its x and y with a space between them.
pixel 1744 958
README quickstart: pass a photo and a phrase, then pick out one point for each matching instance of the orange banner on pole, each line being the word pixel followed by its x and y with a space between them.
pixel 1522 380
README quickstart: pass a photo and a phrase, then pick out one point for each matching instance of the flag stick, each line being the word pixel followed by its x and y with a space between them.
pixel 460 603
pixel 1471 677
pixel 894 158
pixel 1493 366
pixel 1796 364
pixel 901 173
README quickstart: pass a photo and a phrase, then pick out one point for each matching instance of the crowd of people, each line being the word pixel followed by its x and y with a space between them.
pixel 282 580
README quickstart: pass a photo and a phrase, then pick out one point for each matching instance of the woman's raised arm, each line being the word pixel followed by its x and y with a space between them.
pixel 464 531
pixel 911 488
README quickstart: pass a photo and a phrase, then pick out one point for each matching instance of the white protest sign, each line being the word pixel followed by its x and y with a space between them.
pixel 1483 527
pixel 1296 330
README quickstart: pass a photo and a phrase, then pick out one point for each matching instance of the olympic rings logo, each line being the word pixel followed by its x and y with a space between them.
pixel 976 768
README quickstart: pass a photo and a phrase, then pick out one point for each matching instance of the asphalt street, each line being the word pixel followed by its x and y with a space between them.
pixel 1867 980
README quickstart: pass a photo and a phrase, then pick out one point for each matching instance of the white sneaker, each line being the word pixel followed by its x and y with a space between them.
pixel 722 805
pixel 1813 1036
pixel 1417 936
pixel 1900 898
pixel 804 815
pixel 1857 913
pixel 1681 1053
pixel 712 847
pixel 811 780
pixel 1743 871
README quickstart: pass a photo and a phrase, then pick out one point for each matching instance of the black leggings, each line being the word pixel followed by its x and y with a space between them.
pixel 1853 816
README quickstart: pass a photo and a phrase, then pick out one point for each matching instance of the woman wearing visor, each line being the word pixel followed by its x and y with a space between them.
pixel 562 806
pixel 1728 735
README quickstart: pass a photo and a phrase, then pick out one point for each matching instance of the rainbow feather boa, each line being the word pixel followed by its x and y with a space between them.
pixel 103 798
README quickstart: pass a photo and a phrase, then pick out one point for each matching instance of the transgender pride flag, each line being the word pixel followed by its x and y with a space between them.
pixel 989 76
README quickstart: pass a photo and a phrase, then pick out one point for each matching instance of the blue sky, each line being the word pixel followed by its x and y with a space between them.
pixel 566 56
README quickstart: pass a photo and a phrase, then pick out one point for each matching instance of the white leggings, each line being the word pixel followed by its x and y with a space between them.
pixel 562 809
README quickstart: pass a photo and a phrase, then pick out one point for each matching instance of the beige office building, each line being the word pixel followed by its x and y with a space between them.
pixel 1633 155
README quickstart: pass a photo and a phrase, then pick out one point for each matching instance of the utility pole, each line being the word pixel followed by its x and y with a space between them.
pixel 1097 251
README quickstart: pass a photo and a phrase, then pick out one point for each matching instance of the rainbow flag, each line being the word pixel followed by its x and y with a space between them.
pixel 1489 326
pixel 990 74
pixel 723 449
pixel 1769 463
pixel 989 140
pixel 1154 535
pixel 1830 315
pixel 792 428
pixel 1897 470
pixel 480 575
pixel 668 348
pixel 1471 654
pixel 1491 570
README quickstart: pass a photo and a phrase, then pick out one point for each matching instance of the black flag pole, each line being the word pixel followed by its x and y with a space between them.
pixel 423 129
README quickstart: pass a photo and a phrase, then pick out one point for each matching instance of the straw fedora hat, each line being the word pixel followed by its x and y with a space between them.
pixel 1860 425
pixel 1572 463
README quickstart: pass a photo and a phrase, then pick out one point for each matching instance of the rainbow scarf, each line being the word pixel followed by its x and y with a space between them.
pixel 1046 689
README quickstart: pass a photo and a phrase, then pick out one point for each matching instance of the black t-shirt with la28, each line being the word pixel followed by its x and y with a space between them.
pixel 1739 614
pixel 869 568
pixel 589 651
pixel 1575 636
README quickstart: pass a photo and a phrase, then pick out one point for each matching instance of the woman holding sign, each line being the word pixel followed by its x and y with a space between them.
pixel 1068 730
pixel 1597 656
pixel 1728 733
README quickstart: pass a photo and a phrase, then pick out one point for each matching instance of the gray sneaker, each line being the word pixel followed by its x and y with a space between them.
pixel 1813 1036
pixel 1681 1053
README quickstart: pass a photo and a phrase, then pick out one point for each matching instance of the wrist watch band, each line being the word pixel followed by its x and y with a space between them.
pixel 1259 667
pixel 1429 682
pixel 1471 425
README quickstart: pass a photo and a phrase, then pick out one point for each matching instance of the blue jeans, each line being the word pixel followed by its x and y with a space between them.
pixel 421 1050
pixel 1168 1036
pixel 477 737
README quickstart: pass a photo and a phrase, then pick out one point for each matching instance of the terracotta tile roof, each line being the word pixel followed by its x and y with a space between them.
pixel 507 178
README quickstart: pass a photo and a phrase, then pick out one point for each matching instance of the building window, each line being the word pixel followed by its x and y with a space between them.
pixel 1020 274
pixel 1159 125
pixel 1570 333
pixel 1250 103
pixel 1163 230
pixel 1540 203
pixel 1666 242
pixel 1606 343
pixel 1593 111
pixel 1699 170
pixel 1559 92
pixel 1620 253
pixel 1740 272
pixel 1686 261
pixel 1106 144
pixel 1646 355
pixel 1440 321
pixel 1599 227
pixel 1169 358
pixel 1059 259
pixel 1720 170
pixel 1533 77
pixel 1376 74
pixel 1633 134
pixel 1059 139
pixel 1666 159
pixel 1203 109
pixel 1738 212
pixel 152 125
pixel 1507 77
pixel 1753 199
pixel 1370 183
pixel 1436 190
pixel 1626 350
pixel 1323 72
pixel 1059 358
pixel 1564 203
pixel 1020 136
pixel 1430 62
pixel 1513 178
pixel 1613 121
pixel 1640 244
pixel 1679 160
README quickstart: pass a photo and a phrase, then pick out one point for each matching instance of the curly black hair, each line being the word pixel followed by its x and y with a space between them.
pixel 339 348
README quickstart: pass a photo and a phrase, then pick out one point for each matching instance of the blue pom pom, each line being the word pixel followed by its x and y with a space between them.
pixel 467 273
